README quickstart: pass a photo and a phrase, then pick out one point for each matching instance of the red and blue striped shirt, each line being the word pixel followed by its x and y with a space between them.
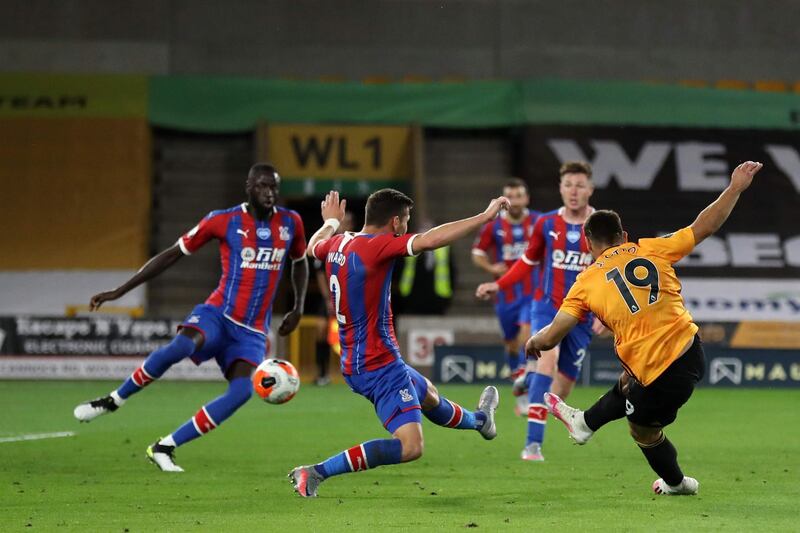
pixel 252 254
pixel 560 249
pixel 506 241
pixel 359 268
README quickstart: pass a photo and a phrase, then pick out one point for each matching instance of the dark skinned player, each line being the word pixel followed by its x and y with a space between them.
pixel 256 239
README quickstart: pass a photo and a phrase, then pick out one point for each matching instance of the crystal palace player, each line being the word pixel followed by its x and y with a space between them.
pixel 506 238
pixel 256 239
pixel 634 290
pixel 359 268
pixel 558 245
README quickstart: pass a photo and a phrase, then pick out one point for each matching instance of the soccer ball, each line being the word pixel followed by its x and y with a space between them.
pixel 276 381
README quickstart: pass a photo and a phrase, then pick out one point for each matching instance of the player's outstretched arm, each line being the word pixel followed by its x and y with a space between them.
pixel 333 212
pixel 299 287
pixel 549 336
pixel 151 269
pixel 452 231
pixel 714 216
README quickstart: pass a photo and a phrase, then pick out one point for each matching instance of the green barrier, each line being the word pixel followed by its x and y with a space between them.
pixel 209 104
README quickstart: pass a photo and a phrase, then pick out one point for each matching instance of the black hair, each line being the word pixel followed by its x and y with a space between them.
pixel 263 168
pixel 513 183
pixel 384 204
pixel 603 227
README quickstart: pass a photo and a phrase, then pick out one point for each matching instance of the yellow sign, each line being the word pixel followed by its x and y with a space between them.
pixel 340 152
pixel 72 96
pixel 782 335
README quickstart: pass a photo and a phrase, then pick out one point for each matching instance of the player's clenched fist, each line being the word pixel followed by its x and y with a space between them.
pixel 98 299
pixel 487 290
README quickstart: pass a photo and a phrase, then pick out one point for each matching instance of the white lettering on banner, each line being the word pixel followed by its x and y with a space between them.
pixel 611 161
pixel 738 299
pixel 700 166
pixel 51 367
pixel 763 250
pixel 787 159
pixel 421 343
pixel 736 372
pixel 697 171
pixel 58 327
pixel 485 369
pixel 748 250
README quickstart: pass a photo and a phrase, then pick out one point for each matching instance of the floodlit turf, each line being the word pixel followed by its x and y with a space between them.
pixel 741 445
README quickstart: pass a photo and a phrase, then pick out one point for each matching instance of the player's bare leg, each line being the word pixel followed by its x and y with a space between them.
pixel 410 437
pixel 521 404
pixel 539 383
pixel 663 459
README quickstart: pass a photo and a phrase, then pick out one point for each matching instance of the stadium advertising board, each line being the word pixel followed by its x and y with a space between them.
pixel 355 160
pixel 339 151
pixel 469 364
pixel 84 336
pixel 96 347
pixel 421 343
pixel 659 179
pixel 746 354
pixel 724 367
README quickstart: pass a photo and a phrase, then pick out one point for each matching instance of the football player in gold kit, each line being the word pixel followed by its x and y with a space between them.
pixel 633 289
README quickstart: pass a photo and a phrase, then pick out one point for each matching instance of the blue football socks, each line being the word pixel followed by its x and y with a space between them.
pixel 369 454
pixel 538 384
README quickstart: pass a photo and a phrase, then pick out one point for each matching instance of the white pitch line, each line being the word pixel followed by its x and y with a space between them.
pixel 38 436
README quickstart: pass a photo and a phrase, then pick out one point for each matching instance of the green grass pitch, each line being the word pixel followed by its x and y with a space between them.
pixel 743 446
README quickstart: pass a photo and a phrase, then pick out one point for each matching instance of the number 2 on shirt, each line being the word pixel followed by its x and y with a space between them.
pixel 337 298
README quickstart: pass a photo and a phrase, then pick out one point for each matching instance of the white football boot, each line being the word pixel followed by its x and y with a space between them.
pixel 571 417
pixel 487 404
pixel 688 487
pixel 88 411
pixel 163 457
pixel 305 480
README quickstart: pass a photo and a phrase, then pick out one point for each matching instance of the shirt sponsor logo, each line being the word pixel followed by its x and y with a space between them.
pixel 266 258
pixel 263 233
pixel 512 252
pixel 571 260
